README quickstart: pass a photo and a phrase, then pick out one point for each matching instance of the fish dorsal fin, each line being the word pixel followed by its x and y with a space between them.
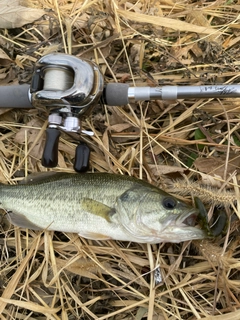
pixel 97 208
pixel 39 177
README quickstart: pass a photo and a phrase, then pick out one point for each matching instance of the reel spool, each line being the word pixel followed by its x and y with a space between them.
pixel 57 78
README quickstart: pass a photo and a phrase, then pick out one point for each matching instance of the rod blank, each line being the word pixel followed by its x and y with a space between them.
pixel 117 93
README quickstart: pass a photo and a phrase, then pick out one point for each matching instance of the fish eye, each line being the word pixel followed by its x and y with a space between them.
pixel 169 203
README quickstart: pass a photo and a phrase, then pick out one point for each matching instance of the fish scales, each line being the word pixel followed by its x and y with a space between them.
pixel 100 206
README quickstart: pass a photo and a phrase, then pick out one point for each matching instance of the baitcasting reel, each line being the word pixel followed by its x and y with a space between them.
pixel 69 86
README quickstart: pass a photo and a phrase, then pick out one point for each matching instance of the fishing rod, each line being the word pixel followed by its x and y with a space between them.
pixel 69 86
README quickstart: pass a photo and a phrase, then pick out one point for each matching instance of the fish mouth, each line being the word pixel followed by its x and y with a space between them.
pixel 183 228
pixel 191 223
pixel 191 219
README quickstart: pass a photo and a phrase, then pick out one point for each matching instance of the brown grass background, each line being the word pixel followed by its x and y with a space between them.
pixel 188 147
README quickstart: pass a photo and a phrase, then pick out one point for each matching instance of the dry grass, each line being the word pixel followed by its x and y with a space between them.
pixel 61 276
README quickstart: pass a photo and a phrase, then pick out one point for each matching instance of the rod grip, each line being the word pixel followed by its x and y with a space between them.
pixel 15 97
pixel 116 94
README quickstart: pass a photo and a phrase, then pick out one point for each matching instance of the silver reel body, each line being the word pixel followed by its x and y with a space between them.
pixel 62 80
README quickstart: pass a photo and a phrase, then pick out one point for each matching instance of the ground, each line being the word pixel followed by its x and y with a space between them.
pixel 187 147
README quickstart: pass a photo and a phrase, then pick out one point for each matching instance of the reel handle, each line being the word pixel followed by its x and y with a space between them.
pixel 50 153
pixel 82 155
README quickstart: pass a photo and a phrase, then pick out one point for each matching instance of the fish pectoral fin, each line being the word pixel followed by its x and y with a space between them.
pixel 97 208
pixel 20 220
pixel 94 236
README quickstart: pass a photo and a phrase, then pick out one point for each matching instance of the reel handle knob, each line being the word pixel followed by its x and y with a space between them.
pixel 82 155
pixel 50 153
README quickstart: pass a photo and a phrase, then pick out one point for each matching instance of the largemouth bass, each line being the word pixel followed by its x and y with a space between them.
pixel 100 206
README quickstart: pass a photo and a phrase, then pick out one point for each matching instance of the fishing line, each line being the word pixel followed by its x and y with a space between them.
pixel 57 78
